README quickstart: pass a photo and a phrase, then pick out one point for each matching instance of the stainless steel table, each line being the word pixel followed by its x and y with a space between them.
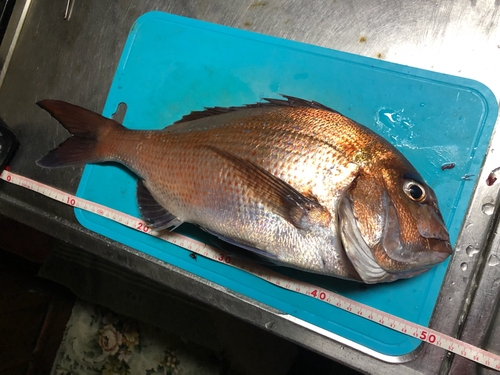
pixel 70 50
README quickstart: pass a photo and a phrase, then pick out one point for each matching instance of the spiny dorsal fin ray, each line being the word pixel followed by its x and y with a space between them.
pixel 284 200
pixel 289 101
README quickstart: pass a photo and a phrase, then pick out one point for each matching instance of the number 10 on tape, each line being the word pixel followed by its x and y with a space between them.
pixel 411 329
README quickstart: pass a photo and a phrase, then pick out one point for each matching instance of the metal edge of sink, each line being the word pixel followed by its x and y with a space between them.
pixel 462 298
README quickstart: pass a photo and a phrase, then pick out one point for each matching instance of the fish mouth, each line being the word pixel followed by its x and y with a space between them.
pixel 396 256
pixel 441 249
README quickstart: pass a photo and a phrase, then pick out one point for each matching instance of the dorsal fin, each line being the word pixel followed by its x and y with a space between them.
pixel 289 101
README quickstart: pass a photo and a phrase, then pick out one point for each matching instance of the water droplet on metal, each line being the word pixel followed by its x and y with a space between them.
pixel 269 325
pixel 464 266
pixel 488 208
pixel 493 260
pixel 471 250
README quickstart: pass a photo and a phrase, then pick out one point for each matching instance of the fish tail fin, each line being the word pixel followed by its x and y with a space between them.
pixel 89 132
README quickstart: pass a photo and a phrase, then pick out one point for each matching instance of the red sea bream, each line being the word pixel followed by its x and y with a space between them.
pixel 291 180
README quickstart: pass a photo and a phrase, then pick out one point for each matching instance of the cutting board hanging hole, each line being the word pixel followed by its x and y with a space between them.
pixel 119 115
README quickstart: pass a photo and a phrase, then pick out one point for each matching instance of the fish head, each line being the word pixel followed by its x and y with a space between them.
pixel 391 225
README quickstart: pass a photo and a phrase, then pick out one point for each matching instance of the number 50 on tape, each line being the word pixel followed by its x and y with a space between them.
pixel 411 329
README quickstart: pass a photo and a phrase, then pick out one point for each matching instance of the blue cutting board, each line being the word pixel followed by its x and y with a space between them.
pixel 172 65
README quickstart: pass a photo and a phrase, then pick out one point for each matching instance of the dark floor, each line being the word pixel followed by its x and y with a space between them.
pixel 34 313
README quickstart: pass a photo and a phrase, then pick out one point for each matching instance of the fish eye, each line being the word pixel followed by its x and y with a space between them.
pixel 414 191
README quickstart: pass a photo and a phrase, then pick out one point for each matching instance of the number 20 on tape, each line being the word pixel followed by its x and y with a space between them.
pixel 423 333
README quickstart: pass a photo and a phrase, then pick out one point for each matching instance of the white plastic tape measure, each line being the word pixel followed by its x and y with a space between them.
pixel 404 326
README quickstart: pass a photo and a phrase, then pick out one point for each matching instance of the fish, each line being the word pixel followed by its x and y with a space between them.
pixel 289 180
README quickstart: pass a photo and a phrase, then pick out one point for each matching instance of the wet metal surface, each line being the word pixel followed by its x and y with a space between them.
pixel 70 50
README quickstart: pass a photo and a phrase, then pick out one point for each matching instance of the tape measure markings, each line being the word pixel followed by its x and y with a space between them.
pixel 390 321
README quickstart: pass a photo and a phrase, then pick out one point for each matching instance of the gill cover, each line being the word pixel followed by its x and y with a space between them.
pixel 355 246
pixel 387 240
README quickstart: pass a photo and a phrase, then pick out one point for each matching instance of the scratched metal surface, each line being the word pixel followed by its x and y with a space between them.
pixel 75 59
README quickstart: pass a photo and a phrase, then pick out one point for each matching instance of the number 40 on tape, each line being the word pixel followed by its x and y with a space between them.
pixel 423 333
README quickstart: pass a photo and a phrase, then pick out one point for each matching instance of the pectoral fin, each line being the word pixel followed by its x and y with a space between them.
pixel 284 200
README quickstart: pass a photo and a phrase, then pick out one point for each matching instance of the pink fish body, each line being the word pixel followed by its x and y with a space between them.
pixel 292 181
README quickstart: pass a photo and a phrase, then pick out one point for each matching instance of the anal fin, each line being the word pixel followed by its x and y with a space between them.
pixel 152 212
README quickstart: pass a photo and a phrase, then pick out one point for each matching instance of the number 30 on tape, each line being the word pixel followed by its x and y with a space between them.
pixel 390 321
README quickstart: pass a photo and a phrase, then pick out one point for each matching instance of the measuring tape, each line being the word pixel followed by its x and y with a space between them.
pixel 390 321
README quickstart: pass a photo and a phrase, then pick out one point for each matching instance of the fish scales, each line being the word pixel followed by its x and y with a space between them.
pixel 290 180
pixel 198 187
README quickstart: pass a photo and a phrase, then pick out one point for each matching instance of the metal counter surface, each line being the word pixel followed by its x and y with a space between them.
pixel 71 53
